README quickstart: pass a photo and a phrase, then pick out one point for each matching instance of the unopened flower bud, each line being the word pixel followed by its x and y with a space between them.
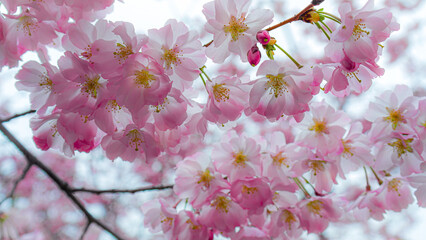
pixel 310 16
pixel 263 37
pixel 253 56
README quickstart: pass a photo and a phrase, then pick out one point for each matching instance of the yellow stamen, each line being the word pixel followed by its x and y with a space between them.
pixel 240 159
pixel 277 84
pixel 394 185
pixel 359 30
pixel 288 217
pixel 220 92
pixel 221 203
pixel 402 146
pixel 279 160
pixel 171 57
pixel 91 86
pixel 123 52
pixel 236 27
pixel 319 127
pixel 248 190
pixel 144 78
pixel 205 178
pixel 135 139
pixel 395 117
pixel 315 207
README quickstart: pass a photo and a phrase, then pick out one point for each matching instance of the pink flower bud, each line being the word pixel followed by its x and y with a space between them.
pixel 263 37
pixel 253 56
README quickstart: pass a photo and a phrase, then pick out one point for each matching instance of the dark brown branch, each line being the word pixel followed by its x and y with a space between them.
pixel 17 115
pixel 86 228
pixel 17 181
pixel 292 19
pixel 31 159
pixel 94 191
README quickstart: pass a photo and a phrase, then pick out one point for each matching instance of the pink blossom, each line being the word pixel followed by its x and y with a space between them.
pixel 285 223
pixel 237 158
pixel 277 93
pixel 190 228
pixel 351 77
pixel 227 99
pixel 395 194
pixel 223 214
pixel 322 125
pixel 177 50
pixel 403 150
pixel 390 112
pixel 362 30
pixel 39 80
pixel 160 216
pixel 144 83
pixel 234 29
pixel 130 144
pixel 252 194
pixel 197 180
pixel 171 113
pixel 29 32
pixel 316 213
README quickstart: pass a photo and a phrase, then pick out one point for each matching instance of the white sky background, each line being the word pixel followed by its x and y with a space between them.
pixel 146 14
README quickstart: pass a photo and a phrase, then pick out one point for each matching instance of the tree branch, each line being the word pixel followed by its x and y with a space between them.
pixel 17 181
pixel 86 228
pixel 94 191
pixel 17 115
pixel 297 16
pixel 31 159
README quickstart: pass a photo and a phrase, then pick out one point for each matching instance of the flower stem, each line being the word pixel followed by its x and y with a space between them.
pixel 289 56
pixel 205 74
pixel 368 187
pixel 330 16
pixel 301 187
pixel 322 29
pixel 377 176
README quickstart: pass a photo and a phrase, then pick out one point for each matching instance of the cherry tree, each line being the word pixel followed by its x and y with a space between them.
pixel 251 120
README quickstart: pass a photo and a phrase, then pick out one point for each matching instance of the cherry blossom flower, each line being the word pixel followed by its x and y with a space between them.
pixel 277 93
pixel 316 213
pixel 252 194
pixel 39 80
pixel 361 31
pixel 390 112
pixel 178 50
pixel 223 214
pixel 234 29
pixel 130 144
pixel 197 180
pixel 227 99
pixel 238 158
pixel 322 124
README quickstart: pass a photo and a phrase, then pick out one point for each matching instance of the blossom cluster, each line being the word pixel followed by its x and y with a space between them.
pixel 282 184
pixel 135 96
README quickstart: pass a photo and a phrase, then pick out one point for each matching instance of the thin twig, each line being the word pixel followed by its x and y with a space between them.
pixel 86 228
pixel 17 181
pixel 292 19
pixel 17 115
pixel 59 182
pixel 94 191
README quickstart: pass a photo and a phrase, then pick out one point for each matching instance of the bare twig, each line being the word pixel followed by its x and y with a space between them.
pixel 17 115
pixel 86 228
pixel 17 181
pixel 31 159
pixel 292 19
pixel 94 191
